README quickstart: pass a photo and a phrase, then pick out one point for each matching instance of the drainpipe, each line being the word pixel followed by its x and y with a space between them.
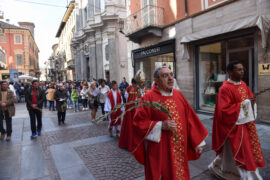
pixel 186 9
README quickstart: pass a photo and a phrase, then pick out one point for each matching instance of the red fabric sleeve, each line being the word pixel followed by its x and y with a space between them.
pixel 142 126
pixel 225 117
pixel 196 131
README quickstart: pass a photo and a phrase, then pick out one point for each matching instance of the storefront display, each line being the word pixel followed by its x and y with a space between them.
pixel 211 68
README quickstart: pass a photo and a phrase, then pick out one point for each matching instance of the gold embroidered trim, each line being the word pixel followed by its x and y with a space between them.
pixel 255 142
pixel 178 148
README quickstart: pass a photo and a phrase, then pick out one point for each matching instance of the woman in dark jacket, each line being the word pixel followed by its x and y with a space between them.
pixel 61 103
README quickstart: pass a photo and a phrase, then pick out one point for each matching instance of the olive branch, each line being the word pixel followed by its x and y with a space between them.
pixel 138 103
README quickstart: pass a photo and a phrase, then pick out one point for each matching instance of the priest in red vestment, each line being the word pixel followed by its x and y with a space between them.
pixel 164 146
pixel 113 97
pixel 125 140
pixel 234 137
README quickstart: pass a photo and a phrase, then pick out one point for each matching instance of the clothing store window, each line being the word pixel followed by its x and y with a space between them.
pixel 149 64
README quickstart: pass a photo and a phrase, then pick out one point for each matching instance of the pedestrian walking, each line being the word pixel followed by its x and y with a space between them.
pixel 93 100
pixel 103 91
pixel 235 138
pixel 7 110
pixel 60 97
pixel 50 97
pixel 165 145
pixel 75 99
pixel 122 87
pixel 69 91
pixel 34 98
pixel 131 94
pixel 114 97
pixel 84 96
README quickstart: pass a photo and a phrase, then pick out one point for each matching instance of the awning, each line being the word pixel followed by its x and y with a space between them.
pixel 262 22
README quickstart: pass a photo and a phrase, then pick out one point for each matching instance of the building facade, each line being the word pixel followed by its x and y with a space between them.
pixel 197 39
pixel 65 34
pixel 100 50
pixel 53 66
pixel 18 51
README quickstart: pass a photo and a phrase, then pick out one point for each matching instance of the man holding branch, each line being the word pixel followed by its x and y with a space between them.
pixel 162 144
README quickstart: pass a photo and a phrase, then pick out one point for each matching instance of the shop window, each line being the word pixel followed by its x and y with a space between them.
pixel 213 59
pixel 18 39
pixel 148 65
pixel 212 73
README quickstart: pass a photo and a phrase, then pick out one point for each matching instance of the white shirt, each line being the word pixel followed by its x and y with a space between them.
pixel 108 106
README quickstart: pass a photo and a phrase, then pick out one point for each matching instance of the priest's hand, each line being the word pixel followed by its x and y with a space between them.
pixel 199 150
pixel 169 125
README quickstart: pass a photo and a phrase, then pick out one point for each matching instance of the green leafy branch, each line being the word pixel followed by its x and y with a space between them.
pixel 138 103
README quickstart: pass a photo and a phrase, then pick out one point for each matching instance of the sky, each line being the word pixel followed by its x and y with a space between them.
pixel 45 17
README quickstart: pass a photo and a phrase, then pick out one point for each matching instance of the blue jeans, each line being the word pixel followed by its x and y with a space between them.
pixel 45 103
pixel 51 105
pixel 76 105
pixel 69 102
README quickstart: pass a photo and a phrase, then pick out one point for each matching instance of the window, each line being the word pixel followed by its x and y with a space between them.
pixel 18 39
pixel 213 59
pixel 149 64
pixel 3 38
pixel 19 59
pixel 2 57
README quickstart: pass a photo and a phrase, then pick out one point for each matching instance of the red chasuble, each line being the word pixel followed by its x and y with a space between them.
pixel 167 159
pixel 118 112
pixel 125 140
pixel 243 139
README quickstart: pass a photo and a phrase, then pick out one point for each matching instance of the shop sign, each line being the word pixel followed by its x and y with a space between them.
pixel 264 69
pixel 155 50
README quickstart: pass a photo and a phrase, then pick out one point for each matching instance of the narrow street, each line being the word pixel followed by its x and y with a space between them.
pixel 83 150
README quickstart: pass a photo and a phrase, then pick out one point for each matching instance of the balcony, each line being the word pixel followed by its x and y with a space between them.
pixel 71 64
pixel 147 21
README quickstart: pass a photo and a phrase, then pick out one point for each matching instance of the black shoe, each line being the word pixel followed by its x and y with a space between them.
pixel 59 123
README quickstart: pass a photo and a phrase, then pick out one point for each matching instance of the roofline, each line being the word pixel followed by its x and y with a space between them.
pixel 69 10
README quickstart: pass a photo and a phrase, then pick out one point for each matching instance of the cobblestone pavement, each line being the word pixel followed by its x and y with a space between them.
pixel 81 149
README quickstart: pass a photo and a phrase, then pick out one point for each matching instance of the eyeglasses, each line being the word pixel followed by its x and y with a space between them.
pixel 166 75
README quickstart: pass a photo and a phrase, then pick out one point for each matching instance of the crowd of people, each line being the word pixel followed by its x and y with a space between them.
pixel 163 144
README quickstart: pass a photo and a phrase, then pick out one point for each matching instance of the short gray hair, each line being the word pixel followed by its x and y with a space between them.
pixel 156 72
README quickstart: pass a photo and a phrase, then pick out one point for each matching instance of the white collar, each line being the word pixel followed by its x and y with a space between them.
pixel 164 93
pixel 234 82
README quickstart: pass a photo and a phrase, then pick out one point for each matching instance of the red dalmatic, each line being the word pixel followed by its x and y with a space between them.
pixel 116 114
pixel 125 140
pixel 167 159
pixel 243 139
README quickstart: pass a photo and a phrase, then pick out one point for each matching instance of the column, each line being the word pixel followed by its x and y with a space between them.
pixel 92 61
pixel 113 63
pixel 99 56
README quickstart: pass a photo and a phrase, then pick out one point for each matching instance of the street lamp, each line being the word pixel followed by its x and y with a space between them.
pixel 121 24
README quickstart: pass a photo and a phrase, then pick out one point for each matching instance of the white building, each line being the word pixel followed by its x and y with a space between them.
pixel 100 50
pixel 65 33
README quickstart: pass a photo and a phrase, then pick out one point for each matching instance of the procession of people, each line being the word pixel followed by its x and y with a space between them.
pixel 163 144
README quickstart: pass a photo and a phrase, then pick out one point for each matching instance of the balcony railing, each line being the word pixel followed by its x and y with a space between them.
pixel 149 16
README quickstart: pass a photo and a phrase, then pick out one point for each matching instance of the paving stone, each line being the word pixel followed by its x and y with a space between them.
pixel 108 161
